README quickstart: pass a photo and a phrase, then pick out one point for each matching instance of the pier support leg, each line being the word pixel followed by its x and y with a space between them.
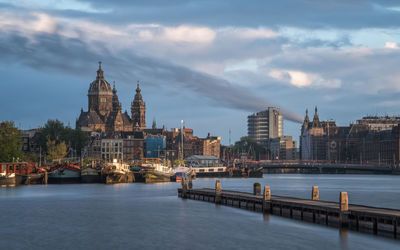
pixel 184 188
pixel 344 210
pixel 218 192
pixel 257 188
pixel 375 225
pixel 315 193
pixel 267 199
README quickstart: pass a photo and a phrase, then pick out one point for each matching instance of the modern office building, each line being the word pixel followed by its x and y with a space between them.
pixel 265 125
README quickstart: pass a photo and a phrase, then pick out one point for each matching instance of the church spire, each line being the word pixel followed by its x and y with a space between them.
pixel 316 118
pixel 306 118
pixel 138 109
pixel 115 102
pixel 100 72
pixel 138 87
pixel 114 89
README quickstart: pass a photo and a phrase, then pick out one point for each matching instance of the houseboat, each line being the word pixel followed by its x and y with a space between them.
pixel 91 175
pixel 207 166
pixel 19 173
pixel 117 172
pixel 156 170
pixel 65 174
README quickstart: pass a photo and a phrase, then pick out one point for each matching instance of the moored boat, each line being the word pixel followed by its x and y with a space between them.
pixel 20 173
pixel 138 174
pixel 65 174
pixel 207 166
pixel 7 179
pixel 90 175
pixel 117 172
pixel 156 170
pixel 179 176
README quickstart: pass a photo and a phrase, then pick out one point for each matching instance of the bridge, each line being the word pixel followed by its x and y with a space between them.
pixel 323 167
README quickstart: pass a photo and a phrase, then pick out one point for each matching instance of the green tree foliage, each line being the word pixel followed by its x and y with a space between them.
pixel 55 130
pixel 250 146
pixel 55 151
pixel 10 142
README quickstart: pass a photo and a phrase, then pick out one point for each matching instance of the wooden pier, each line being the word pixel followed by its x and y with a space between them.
pixel 379 221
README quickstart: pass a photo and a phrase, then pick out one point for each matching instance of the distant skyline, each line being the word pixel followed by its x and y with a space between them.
pixel 209 63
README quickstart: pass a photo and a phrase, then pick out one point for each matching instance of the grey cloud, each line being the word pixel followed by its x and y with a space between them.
pixel 301 13
pixel 52 52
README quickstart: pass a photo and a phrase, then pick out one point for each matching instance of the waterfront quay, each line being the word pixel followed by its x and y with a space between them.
pixel 366 219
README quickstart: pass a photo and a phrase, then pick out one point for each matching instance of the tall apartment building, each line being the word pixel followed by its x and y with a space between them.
pixel 265 125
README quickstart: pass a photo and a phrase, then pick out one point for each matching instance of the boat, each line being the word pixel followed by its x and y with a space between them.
pixel 156 170
pixel 65 174
pixel 117 172
pixel 207 166
pixel 20 173
pixel 90 175
pixel 179 176
pixel 7 179
pixel 31 178
pixel 138 174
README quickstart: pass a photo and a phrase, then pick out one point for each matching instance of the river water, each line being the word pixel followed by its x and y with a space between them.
pixel 151 216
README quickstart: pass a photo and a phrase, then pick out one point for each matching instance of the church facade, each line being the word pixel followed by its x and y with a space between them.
pixel 105 112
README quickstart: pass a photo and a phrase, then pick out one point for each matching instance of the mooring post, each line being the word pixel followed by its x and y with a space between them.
pixel 218 192
pixel 184 188
pixel 257 188
pixel 344 209
pixel 315 193
pixel 190 183
pixel 267 199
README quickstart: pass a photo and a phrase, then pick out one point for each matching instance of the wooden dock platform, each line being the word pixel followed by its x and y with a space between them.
pixel 379 221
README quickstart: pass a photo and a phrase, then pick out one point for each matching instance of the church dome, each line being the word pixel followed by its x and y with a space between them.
pixel 100 85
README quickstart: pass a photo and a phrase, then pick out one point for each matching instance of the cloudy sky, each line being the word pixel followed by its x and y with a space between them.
pixel 210 63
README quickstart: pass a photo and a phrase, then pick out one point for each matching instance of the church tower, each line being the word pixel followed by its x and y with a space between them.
pixel 138 109
pixel 100 95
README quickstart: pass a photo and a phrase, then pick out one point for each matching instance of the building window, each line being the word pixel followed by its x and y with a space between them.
pixel 103 99
pixel 4 167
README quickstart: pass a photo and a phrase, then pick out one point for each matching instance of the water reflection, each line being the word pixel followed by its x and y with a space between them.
pixel 344 236
pixel 144 216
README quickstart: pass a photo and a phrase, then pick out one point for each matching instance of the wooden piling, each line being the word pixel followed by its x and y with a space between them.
pixel 267 199
pixel 344 210
pixel 218 192
pixel 344 202
pixel 315 193
pixel 257 188
pixel 184 188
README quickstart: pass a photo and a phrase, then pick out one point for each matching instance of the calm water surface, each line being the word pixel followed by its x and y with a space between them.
pixel 140 216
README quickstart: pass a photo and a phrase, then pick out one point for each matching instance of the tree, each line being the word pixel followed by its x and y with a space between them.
pixel 249 145
pixel 56 131
pixel 10 142
pixel 56 151
pixel 53 130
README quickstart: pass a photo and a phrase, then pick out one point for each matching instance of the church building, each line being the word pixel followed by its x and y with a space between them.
pixel 105 112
